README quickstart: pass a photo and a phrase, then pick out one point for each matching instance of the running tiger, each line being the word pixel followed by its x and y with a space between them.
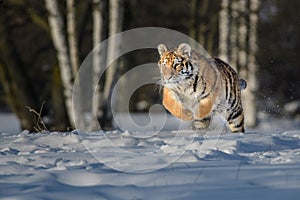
pixel 194 87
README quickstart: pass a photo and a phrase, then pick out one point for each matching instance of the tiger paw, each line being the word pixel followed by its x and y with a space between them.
pixel 200 124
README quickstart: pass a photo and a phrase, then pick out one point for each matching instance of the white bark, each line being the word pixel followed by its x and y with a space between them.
pixel 242 39
pixel 233 36
pixel 58 36
pixel 98 61
pixel 72 36
pixel 242 55
pixel 223 30
pixel 250 93
pixel 113 45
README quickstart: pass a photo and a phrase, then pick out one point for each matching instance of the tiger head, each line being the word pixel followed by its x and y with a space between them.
pixel 174 65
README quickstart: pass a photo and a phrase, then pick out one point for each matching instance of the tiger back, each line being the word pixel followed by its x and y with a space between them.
pixel 195 87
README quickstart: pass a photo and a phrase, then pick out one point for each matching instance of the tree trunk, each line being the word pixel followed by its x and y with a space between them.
pixel 99 62
pixel 19 91
pixel 223 30
pixel 58 36
pixel 250 93
pixel 72 36
pixel 115 19
pixel 193 29
pixel 233 35
pixel 203 25
pixel 242 39
pixel 59 110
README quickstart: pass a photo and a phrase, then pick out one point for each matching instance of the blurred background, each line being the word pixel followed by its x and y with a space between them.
pixel 43 43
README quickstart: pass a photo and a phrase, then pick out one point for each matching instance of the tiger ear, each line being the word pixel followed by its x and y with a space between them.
pixel 161 49
pixel 184 49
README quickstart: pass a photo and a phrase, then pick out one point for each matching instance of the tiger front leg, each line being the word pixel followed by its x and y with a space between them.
pixel 175 107
pixel 202 113
pixel 200 124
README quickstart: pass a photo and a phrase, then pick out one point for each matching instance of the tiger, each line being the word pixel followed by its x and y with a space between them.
pixel 194 87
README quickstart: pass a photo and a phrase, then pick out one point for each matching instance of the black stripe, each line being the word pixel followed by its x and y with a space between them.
pixel 226 89
pixel 223 68
pixel 234 115
pixel 234 109
pixel 227 66
pixel 202 120
pixel 240 124
pixel 237 96
pixel 233 103
pixel 204 86
pixel 195 83
pixel 237 131
pixel 190 64
pixel 229 77
pixel 206 95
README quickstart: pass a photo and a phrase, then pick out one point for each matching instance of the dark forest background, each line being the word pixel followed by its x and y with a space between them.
pixel 29 70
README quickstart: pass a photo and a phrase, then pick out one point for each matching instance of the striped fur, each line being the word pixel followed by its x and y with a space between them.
pixel 195 87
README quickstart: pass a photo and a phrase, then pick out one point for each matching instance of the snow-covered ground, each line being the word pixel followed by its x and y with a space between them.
pixel 179 164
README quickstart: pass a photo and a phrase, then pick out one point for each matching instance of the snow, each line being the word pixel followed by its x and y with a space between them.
pixel 172 164
pixel 9 123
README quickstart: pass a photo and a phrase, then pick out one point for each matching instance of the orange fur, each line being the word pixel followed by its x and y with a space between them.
pixel 175 107
pixel 205 108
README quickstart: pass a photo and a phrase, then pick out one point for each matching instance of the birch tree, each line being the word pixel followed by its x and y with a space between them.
pixel 114 27
pixel 99 60
pixel 57 28
pixel 242 39
pixel 193 29
pixel 233 35
pixel 250 93
pixel 224 31
pixel 72 36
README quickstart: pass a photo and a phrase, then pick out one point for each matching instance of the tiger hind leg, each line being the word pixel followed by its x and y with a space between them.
pixel 235 121
pixel 200 124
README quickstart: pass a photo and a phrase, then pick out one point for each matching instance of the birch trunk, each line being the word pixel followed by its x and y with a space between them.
pixel 114 28
pixel 204 7
pixel 58 36
pixel 242 39
pixel 242 53
pixel 250 93
pixel 223 30
pixel 98 63
pixel 233 36
pixel 72 36
pixel 115 18
pixel 193 29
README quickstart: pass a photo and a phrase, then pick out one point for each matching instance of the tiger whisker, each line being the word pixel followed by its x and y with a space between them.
pixel 158 86
pixel 160 82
